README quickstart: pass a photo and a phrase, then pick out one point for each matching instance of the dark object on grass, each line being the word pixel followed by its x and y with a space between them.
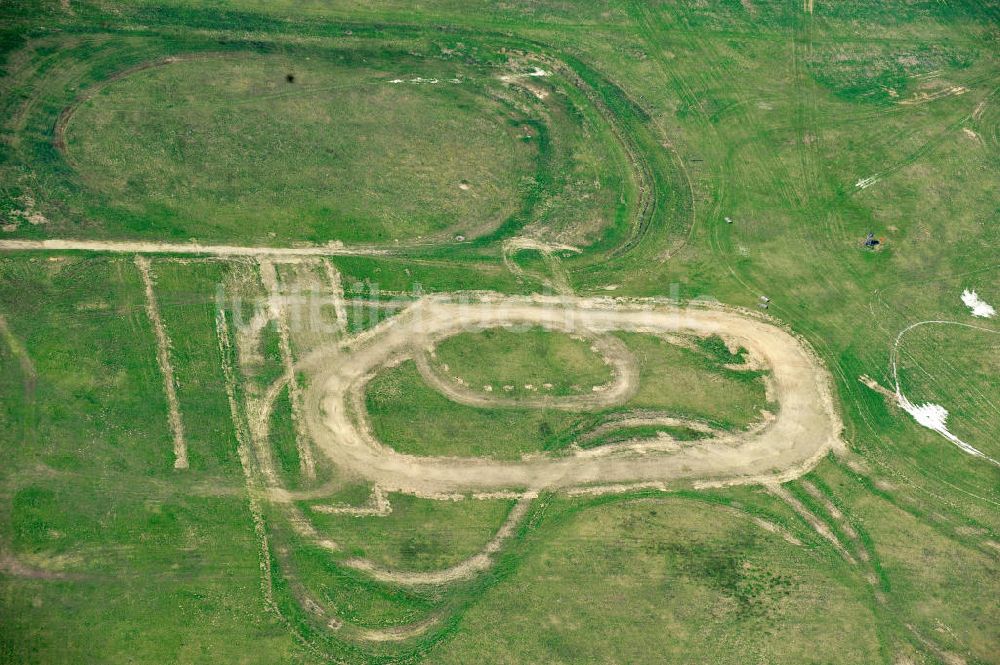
pixel 290 78
pixel 870 240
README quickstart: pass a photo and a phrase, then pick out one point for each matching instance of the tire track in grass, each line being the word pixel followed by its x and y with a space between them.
pixel 838 516
pixel 163 359
pixel 815 522
pixel 461 571
pixel 616 392
pixel 254 491
pixel 243 452
pixel 268 275
pixel 258 412
pixel 28 374
pixel 378 505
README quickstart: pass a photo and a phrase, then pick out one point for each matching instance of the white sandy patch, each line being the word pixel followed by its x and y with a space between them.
pixel 864 183
pixel 978 306
pixel 933 416
pixel 27 213
pixel 537 72
pixel 422 81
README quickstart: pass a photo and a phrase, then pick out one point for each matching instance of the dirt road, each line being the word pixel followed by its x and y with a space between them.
pixel 805 429
pixel 138 247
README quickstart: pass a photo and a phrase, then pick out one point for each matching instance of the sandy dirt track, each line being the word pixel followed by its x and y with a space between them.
pixel 806 428
pixel 138 247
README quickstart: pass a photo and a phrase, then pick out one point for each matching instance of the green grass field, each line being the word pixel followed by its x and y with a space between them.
pixel 316 157
pixel 364 141
pixel 534 357
pixel 714 150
